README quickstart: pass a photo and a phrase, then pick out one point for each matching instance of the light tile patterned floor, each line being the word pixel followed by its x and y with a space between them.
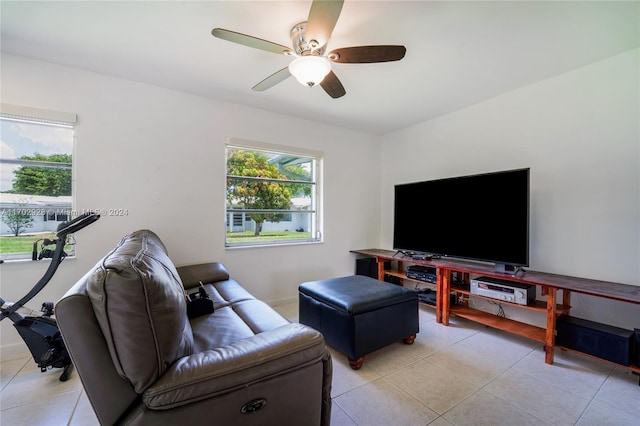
pixel 463 374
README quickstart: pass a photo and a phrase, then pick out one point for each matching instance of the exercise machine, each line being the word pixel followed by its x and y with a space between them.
pixel 41 332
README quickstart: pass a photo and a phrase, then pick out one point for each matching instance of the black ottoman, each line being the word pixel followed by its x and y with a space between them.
pixel 358 314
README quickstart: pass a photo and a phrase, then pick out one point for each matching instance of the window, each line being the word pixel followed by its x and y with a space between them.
pixel 272 195
pixel 36 179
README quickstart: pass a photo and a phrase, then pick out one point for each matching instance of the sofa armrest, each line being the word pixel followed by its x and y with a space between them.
pixel 241 363
pixel 208 273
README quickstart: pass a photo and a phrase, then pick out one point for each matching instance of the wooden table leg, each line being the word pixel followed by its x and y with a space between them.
pixel 442 296
pixel 380 262
pixel 438 299
pixel 566 300
pixel 550 339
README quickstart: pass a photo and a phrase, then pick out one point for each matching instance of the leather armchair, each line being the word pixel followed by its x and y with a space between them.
pixel 142 361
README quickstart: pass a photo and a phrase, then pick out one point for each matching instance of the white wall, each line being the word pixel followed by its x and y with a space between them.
pixel 580 135
pixel 160 154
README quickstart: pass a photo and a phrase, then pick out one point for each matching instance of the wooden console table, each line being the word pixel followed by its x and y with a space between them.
pixel 550 285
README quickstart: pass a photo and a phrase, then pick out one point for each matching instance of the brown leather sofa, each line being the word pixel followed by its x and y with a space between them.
pixel 142 361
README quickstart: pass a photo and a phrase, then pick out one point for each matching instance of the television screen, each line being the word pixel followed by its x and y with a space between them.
pixel 481 217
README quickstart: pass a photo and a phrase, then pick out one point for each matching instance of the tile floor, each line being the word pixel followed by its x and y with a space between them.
pixel 463 374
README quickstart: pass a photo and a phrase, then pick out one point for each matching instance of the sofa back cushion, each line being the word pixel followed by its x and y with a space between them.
pixel 139 302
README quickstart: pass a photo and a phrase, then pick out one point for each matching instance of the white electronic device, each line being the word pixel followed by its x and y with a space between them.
pixel 508 291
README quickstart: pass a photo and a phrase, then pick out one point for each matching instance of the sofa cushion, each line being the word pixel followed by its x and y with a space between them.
pixel 238 315
pixel 139 302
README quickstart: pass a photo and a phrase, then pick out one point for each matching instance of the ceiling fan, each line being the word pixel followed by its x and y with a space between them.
pixel 312 66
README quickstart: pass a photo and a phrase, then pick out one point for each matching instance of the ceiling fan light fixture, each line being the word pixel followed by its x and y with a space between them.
pixel 310 70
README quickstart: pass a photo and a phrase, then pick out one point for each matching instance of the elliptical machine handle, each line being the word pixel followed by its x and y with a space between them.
pixel 76 224
pixel 64 229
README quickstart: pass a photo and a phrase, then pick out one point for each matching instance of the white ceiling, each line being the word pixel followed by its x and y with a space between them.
pixel 458 53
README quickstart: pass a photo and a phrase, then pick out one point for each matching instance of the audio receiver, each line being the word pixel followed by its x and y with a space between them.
pixel 509 291
pixel 422 273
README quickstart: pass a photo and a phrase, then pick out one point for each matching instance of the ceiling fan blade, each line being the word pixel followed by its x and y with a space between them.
pixel 272 80
pixel 332 85
pixel 322 20
pixel 250 41
pixel 367 54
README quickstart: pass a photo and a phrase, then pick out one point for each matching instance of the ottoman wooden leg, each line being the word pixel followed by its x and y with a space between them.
pixel 409 340
pixel 355 364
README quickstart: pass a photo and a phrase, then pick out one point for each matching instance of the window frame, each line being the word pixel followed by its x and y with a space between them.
pixel 317 157
pixel 43 117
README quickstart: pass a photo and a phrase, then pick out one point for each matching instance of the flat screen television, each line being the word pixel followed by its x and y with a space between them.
pixel 482 217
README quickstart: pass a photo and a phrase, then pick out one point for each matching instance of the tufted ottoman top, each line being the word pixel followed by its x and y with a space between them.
pixel 356 294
